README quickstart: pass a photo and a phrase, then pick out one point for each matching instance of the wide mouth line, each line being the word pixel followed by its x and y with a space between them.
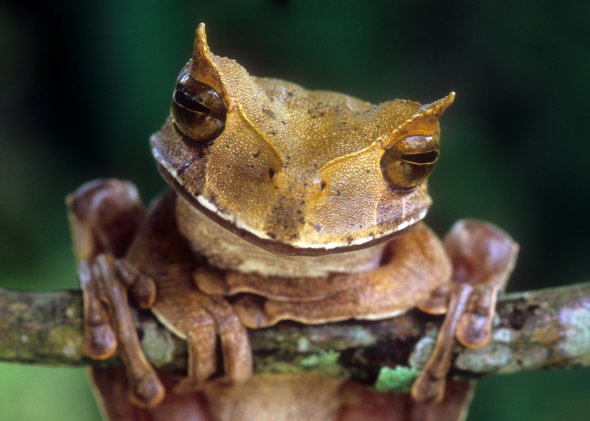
pixel 276 246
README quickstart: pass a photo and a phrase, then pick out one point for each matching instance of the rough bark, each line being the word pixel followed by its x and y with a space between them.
pixel 542 329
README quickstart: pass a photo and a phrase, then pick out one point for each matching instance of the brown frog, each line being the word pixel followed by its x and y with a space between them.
pixel 308 204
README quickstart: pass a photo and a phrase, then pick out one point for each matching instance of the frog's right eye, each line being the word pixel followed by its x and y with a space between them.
pixel 197 109
pixel 410 161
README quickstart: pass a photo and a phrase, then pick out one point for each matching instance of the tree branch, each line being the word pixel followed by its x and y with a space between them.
pixel 541 329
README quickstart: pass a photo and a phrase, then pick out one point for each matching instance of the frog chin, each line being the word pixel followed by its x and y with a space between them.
pixel 227 250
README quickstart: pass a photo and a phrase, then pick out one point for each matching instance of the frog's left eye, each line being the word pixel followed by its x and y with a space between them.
pixel 197 109
pixel 410 161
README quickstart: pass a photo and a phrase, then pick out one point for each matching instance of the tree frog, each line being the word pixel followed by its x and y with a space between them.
pixel 285 204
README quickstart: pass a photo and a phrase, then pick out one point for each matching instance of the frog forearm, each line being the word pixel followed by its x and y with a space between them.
pixel 539 329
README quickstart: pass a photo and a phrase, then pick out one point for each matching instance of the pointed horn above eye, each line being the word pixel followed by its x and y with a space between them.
pixel 200 49
pixel 424 121
pixel 436 108
pixel 202 65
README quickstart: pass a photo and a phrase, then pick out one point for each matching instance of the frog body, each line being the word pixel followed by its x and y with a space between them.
pixel 307 206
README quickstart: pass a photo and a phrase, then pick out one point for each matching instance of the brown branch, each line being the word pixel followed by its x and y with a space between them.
pixel 541 329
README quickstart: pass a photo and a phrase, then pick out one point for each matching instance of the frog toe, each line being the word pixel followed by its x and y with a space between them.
pixel 210 281
pixel 202 358
pixel 147 391
pixel 143 288
pixel 250 310
pixel 206 322
pixel 100 342
pixel 437 303
pixel 116 329
pixel 474 328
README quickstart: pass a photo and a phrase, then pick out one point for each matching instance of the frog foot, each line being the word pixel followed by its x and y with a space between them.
pixel 109 324
pixel 206 321
pixel 413 265
pixel 105 216
pixel 483 257
pixel 217 319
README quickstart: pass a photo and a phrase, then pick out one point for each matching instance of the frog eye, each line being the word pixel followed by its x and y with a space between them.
pixel 410 161
pixel 197 109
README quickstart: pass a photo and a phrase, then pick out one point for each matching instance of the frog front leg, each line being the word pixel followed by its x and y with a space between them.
pixel 414 264
pixel 104 217
pixel 204 321
pixel 483 257
pixel 415 272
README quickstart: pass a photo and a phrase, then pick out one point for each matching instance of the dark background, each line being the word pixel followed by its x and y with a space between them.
pixel 83 84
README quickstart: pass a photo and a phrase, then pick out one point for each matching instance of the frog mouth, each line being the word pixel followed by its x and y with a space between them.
pixel 293 248
pixel 298 248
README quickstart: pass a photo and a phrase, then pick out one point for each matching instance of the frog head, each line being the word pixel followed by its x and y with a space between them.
pixel 293 170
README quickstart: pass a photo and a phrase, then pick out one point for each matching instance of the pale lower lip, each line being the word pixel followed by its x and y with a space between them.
pixel 308 246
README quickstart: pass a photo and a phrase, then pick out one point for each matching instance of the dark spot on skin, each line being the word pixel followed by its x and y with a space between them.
pixel 317 227
pixel 256 154
pixel 271 173
pixel 273 132
pixel 305 185
pixel 185 166
pixel 323 185
pixel 338 193
pixel 269 113
pixel 290 94
pixel 272 235
pixel 368 171
pixel 283 121
pixel 350 239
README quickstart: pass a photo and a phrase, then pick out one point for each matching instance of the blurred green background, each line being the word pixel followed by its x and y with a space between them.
pixel 83 84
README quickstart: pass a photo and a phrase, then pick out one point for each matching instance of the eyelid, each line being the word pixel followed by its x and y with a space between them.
pixel 409 162
pixel 197 110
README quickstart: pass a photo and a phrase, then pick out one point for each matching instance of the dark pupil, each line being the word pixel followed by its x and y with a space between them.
pixel 421 158
pixel 189 102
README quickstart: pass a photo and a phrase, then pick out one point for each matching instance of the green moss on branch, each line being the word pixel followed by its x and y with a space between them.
pixel 541 329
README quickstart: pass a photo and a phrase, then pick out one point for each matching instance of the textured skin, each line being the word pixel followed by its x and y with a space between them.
pixel 302 175
pixel 285 171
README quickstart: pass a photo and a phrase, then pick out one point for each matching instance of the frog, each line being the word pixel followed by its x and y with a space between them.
pixel 284 204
